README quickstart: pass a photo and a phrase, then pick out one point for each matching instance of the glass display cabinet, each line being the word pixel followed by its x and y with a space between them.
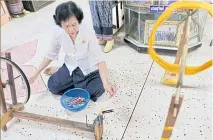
pixel 139 21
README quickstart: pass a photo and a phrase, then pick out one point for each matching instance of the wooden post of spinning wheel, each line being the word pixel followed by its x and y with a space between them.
pixel 11 80
pixel 171 78
pixel 98 122
pixel 177 99
pixel 16 109
pixel 3 104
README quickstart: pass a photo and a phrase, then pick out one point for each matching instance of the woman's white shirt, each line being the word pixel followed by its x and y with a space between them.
pixel 85 53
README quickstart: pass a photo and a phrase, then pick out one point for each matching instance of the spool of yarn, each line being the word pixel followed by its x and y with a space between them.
pixel 15 6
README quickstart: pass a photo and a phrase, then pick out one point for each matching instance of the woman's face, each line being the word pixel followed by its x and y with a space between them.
pixel 71 26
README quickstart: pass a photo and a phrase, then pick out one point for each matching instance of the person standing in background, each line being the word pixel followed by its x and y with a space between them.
pixel 101 12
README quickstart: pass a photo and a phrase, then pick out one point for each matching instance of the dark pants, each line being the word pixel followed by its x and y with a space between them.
pixel 61 81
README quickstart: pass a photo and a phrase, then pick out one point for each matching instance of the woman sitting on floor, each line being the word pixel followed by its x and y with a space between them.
pixel 84 65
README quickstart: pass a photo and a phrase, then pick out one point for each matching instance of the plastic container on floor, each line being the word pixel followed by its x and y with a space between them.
pixel 75 99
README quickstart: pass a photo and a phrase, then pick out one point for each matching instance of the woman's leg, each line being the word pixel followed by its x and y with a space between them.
pixel 96 20
pixel 92 83
pixel 105 14
pixel 60 81
pixel 104 9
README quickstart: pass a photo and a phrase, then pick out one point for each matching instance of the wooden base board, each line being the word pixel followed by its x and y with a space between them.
pixel 97 127
pixel 5 118
pixel 54 121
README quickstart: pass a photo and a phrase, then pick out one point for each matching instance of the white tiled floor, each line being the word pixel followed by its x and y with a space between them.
pixel 137 79
pixel 150 114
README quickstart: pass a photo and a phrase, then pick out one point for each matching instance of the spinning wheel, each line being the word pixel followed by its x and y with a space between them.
pixel 179 68
pixel 14 80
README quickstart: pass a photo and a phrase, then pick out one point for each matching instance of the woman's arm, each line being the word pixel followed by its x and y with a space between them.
pixel 104 73
pixel 103 70
pixel 45 62
pixel 99 60
pixel 52 54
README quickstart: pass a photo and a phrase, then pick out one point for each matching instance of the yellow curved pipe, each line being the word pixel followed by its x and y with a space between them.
pixel 174 68
pixel 165 138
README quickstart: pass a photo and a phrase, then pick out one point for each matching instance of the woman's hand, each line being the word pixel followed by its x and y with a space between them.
pixel 109 88
pixel 32 79
pixel 45 62
pixel 50 70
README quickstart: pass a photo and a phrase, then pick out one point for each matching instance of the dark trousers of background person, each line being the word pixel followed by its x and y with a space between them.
pixel 101 12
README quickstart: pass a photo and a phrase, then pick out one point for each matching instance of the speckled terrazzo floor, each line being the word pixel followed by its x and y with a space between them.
pixel 140 105
pixel 147 120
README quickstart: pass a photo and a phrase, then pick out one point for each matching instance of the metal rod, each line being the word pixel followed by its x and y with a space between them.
pixel 11 79
pixel 182 65
pixel 117 16
pixel 3 103
pixel 86 121
pixel 139 27
pixel 54 121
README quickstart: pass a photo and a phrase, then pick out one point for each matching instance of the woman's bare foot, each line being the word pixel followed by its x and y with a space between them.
pixel 51 70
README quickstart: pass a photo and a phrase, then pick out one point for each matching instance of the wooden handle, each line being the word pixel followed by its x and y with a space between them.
pixel 97 131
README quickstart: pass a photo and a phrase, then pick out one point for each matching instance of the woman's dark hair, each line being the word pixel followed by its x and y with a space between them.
pixel 66 10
